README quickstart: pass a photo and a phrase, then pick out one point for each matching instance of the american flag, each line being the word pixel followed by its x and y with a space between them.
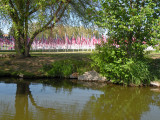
pixel 80 42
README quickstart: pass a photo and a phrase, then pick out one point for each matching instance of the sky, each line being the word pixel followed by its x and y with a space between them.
pixel 4 26
pixel 5 30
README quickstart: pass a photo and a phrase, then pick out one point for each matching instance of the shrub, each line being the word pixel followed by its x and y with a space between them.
pixel 138 72
pixel 64 68
pixel 113 63
pixel 4 73
pixel 46 67
pixel 60 69
pixel 81 66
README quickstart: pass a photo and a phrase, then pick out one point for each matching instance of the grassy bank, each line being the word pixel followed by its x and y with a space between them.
pixel 60 64
pixel 40 65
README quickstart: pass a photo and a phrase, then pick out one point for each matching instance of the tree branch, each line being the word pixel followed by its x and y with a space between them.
pixel 46 26
pixel 15 13
pixel 34 10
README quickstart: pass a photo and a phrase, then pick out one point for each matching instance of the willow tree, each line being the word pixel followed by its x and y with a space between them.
pixel 47 13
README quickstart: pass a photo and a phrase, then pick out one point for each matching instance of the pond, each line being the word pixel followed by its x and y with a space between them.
pixel 72 100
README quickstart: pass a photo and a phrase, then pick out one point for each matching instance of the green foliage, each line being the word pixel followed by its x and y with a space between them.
pixel 4 73
pixel 130 23
pixel 154 68
pixel 46 67
pixel 112 63
pixel 61 30
pixel 47 13
pixel 139 72
pixel 157 46
pixel 64 68
pixel 82 70
pixel 14 73
pixel 82 66
pixel 59 69
pixel 27 74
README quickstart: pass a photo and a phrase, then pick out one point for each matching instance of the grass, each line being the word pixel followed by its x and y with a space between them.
pixel 33 65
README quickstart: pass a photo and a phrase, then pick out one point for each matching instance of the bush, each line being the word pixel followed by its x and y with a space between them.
pixel 64 68
pixel 60 69
pixel 81 66
pixel 113 63
pixel 138 72
pixel 4 73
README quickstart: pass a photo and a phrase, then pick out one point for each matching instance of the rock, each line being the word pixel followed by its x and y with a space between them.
pixel 155 83
pixel 155 90
pixel 74 76
pixel 91 76
pixel 21 75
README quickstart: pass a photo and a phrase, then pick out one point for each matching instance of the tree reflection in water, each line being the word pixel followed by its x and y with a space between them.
pixel 21 101
pixel 23 94
pixel 111 103
pixel 121 103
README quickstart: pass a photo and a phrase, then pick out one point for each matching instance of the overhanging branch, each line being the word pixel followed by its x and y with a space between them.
pixel 46 26
pixel 14 14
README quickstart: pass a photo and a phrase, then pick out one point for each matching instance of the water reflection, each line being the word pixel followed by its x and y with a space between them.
pixel 61 100
pixel 21 100
pixel 120 103
pixel 23 95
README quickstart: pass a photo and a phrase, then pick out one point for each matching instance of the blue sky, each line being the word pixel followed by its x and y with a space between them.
pixel 5 29
pixel 5 26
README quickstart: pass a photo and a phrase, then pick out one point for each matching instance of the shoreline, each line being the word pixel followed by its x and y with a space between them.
pixel 31 68
pixel 154 84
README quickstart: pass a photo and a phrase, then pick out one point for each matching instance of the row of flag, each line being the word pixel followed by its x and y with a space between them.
pixel 56 43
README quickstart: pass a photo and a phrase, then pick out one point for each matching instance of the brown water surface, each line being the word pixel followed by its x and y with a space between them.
pixel 66 100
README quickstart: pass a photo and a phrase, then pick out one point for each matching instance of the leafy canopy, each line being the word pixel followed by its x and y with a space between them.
pixel 130 23
pixel 46 13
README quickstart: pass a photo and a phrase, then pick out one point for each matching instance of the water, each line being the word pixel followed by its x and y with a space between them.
pixel 66 100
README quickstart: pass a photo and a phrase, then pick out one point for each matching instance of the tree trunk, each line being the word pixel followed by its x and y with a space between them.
pixel 19 49
pixel 27 49
pixel 22 50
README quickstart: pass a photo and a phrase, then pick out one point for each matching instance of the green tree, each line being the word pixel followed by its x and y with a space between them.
pixel 70 31
pixel 47 13
pixel 131 25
